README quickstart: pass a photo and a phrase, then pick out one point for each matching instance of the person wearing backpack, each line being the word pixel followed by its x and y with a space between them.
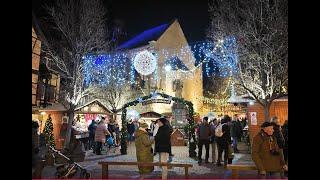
pixel 204 139
pixel 223 139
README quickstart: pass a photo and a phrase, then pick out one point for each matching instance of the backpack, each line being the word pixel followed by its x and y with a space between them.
pixel 218 131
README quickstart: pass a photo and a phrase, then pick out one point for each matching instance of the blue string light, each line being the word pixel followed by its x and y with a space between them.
pixel 219 58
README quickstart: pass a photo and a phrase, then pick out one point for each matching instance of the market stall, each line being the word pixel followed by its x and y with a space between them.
pixel 84 115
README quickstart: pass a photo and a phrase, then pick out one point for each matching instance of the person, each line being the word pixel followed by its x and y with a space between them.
pixel 285 147
pixel 112 130
pixel 235 131
pixel 92 130
pixel 131 129
pixel 171 131
pixel 224 141
pixel 117 131
pixel 213 125
pixel 143 149
pixel 277 132
pixel 162 144
pixel 204 139
pixel 35 145
pixel 154 133
pixel 244 122
pixel 100 135
pixel 152 126
pixel 265 152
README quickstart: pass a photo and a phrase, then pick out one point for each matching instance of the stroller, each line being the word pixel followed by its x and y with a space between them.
pixel 69 170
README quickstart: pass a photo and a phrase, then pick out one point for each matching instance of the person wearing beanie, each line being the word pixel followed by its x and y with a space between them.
pixel 143 149
pixel 266 153
pixel 162 144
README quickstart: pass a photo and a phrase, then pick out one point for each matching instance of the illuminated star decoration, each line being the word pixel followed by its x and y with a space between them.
pixel 154 95
pixel 140 100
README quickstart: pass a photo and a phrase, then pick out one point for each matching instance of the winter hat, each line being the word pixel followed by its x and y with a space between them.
pixel 143 125
pixel 266 124
pixel 163 120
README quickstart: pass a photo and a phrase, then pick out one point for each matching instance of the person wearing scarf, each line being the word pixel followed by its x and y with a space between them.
pixel 266 153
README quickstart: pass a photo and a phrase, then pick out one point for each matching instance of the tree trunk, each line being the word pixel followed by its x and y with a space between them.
pixel 266 108
pixel 114 116
pixel 68 135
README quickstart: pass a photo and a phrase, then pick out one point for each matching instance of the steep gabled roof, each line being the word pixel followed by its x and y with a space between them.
pixel 144 37
pixel 93 102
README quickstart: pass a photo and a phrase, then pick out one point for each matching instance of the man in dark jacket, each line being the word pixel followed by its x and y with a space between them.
pixel 163 143
pixel 131 129
pixel 236 131
pixel 92 130
pixel 171 131
pixel 224 141
pixel 204 135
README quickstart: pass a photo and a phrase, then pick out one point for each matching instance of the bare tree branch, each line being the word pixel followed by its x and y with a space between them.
pixel 260 27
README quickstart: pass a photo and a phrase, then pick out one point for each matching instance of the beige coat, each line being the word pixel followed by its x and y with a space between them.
pixel 143 150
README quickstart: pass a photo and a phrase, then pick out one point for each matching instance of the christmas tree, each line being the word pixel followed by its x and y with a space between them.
pixel 48 131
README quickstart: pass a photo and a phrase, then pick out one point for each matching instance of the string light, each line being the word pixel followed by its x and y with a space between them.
pixel 216 59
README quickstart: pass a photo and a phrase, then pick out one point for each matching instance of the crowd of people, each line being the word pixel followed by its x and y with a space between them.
pixel 223 134
pixel 103 133
pixel 269 146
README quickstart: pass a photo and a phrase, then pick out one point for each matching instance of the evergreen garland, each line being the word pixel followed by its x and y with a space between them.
pixel 48 132
pixel 124 132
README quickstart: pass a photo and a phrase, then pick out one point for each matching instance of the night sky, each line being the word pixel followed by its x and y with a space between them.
pixel 140 15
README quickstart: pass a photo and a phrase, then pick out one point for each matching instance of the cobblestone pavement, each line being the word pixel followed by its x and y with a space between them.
pixel 204 171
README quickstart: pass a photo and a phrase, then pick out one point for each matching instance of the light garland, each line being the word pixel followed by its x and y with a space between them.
pixel 216 59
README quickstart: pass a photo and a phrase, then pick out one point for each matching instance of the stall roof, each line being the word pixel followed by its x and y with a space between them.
pixel 151 114
pixel 80 108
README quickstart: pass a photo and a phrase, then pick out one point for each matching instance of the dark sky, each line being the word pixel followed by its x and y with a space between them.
pixel 140 15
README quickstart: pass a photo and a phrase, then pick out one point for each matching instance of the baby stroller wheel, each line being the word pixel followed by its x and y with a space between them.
pixel 85 174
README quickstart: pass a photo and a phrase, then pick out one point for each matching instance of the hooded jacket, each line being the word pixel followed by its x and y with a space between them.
pixel 143 150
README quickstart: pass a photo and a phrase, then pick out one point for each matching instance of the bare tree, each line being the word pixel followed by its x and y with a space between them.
pixel 111 95
pixel 80 28
pixel 260 27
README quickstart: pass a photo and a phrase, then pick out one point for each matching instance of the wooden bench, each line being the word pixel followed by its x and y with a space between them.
pixel 105 165
pixel 235 168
